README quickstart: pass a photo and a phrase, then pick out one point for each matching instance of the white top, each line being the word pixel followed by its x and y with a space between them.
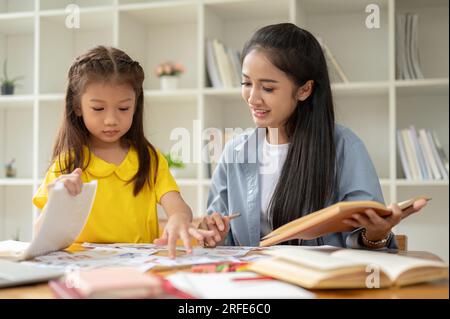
pixel 271 164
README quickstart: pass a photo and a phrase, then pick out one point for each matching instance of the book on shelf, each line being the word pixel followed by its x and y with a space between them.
pixel 348 268
pixel 407 47
pixel 431 160
pixel 440 151
pixel 412 159
pixel 423 168
pixel 403 158
pixel 223 65
pixel 439 160
pixel 336 73
pixel 235 66
pixel 211 66
pixel 414 38
pixel 329 220
pixel 421 155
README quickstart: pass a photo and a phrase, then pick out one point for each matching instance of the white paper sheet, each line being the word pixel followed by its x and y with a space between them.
pixel 225 286
pixel 65 217
pixel 12 249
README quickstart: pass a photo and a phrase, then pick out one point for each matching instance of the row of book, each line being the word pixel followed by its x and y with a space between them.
pixel 223 65
pixel 407 47
pixel 422 155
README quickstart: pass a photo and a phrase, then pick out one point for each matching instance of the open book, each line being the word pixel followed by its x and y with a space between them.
pixel 64 219
pixel 329 220
pixel 348 268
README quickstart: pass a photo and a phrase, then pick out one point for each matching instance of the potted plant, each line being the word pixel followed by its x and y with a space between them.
pixel 7 83
pixel 175 164
pixel 168 72
pixel 10 170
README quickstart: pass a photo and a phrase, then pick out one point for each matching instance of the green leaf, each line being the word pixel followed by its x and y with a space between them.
pixel 5 80
pixel 5 72
pixel 173 163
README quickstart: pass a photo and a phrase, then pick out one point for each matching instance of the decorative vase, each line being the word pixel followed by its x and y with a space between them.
pixel 7 89
pixel 169 82
pixel 10 171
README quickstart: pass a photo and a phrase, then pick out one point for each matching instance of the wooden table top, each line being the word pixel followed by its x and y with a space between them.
pixel 431 290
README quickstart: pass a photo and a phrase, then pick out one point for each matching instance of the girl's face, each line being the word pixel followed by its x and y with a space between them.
pixel 268 91
pixel 107 111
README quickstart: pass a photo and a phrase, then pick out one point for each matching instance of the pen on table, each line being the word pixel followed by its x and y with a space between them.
pixel 230 217
pixel 257 278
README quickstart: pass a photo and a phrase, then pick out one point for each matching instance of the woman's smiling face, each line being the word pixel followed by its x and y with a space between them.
pixel 268 91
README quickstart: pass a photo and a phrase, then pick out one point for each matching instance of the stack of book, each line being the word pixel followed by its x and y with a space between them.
pixel 223 65
pixel 113 283
pixel 422 155
pixel 407 47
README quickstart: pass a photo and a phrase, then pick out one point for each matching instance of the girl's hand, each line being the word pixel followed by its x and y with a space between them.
pixel 220 225
pixel 72 182
pixel 378 228
pixel 179 226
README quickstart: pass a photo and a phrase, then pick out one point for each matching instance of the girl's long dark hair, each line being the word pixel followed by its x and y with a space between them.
pixel 111 65
pixel 307 178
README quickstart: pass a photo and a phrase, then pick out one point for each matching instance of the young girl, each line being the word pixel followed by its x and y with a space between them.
pixel 304 161
pixel 102 138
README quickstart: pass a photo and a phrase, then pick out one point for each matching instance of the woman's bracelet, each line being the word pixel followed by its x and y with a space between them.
pixel 374 243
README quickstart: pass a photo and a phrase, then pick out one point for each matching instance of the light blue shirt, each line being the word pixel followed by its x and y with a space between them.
pixel 235 187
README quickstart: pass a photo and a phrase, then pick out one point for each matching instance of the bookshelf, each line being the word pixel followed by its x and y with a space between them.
pixel 34 39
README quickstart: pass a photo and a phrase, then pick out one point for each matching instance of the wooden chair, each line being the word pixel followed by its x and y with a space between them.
pixel 402 242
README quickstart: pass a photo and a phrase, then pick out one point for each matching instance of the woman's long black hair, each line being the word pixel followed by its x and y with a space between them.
pixel 307 178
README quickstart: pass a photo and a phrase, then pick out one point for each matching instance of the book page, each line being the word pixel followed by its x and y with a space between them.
pixel 322 248
pixel 315 259
pixel 392 265
pixel 12 250
pixel 65 217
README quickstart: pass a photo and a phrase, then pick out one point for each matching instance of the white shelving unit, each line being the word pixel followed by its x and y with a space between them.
pixel 34 39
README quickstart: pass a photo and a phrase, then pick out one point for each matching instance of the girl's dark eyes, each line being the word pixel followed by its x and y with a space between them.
pixel 269 90
pixel 98 109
